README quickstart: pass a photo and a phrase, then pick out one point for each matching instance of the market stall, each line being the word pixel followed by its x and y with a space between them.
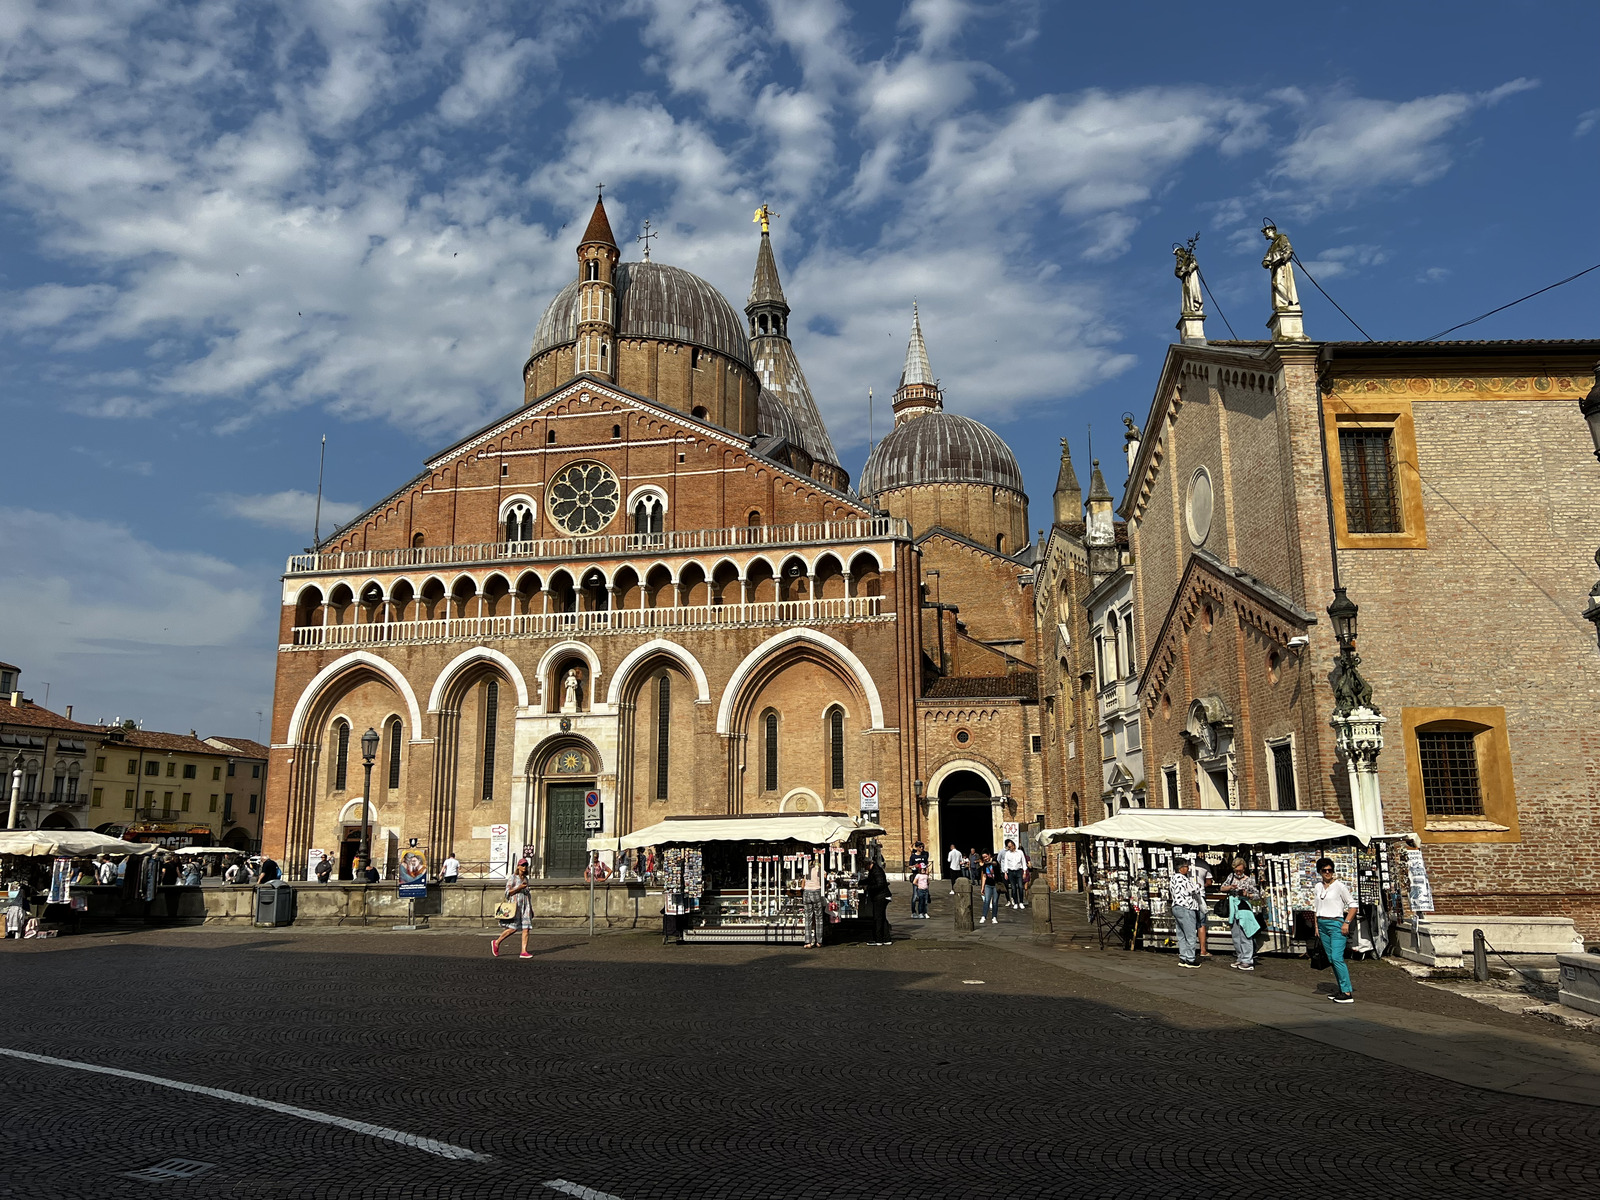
pixel 1127 862
pixel 739 879
pixel 41 869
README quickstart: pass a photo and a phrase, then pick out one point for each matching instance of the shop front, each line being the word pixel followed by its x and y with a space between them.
pixel 1127 860
pixel 741 879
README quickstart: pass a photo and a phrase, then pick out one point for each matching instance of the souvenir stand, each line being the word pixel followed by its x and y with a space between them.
pixel 36 898
pixel 1129 858
pixel 739 879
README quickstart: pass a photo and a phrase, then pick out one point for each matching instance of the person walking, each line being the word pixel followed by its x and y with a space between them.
pixel 106 872
pixel 811 902
pixel 876 886
pixel 1336 914
pixel 1201 874
pixel 522 911
pixel 1188 910
pixel 1014 863
pixel 919 891
pixel 954 862
pixel 989 873
pixel 1242 893
pixel 324 869
pixel 919 856
pixel 269 869
pixel 451 870
pixel 975 867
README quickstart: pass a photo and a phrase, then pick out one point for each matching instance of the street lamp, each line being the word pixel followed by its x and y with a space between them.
pixel 369 751
pixel 1357 723
pixel 1590 407
pixel 1342 612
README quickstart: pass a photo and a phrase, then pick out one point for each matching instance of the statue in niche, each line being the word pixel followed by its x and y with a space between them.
pixel 1279 260
pixel 570 686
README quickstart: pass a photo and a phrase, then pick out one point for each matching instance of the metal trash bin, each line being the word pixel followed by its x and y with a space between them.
pixel 275 903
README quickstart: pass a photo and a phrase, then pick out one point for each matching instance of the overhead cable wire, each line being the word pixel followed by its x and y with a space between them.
pixel 1515 302
pixel 1213 300
pixel 1330 299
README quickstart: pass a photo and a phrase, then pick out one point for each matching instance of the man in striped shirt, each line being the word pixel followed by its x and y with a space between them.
pixel 1188 910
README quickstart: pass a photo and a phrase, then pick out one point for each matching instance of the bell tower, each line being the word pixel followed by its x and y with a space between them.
pixel 597 297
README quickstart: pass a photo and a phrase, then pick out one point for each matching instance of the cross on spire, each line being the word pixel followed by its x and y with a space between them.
pixel 645 238
pixel 600 191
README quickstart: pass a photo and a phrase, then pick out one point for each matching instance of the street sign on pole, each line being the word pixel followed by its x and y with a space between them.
pixel 594 819
pixel 1008 831
pixel 869 798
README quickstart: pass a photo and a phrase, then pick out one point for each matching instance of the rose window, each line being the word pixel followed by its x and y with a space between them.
pixel 583 498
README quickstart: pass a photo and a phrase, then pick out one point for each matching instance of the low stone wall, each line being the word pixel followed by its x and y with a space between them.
pixel 556 904
pixel 1580 981
pixel 1445 939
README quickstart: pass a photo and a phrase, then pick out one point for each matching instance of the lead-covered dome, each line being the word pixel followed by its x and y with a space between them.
pixel 940 447
pixel 653 301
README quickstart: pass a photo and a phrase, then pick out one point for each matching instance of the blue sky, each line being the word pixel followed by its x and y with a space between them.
pixel 228 229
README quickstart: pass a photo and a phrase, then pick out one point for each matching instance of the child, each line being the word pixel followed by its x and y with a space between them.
pixel 919 891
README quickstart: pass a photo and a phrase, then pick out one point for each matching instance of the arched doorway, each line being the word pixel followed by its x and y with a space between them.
pixel 966 812
pixel 58 820
pixel 564 776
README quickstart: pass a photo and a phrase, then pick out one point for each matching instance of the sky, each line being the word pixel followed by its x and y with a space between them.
pixel 227 230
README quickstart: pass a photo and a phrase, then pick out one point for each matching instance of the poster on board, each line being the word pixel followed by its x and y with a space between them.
pixel 499 850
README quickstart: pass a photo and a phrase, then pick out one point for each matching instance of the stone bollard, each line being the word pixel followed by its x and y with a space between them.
pixel 1039 907
pixel 963 916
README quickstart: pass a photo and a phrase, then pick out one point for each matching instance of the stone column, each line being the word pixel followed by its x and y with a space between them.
pixel 1359 737
pixel 963 910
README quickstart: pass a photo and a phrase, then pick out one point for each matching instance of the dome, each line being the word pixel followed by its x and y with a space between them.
pixel 940 447
pixel 654 301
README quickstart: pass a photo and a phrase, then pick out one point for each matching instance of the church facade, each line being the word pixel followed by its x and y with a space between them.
pixel 652 582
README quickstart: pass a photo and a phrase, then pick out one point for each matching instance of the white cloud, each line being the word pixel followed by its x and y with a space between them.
pixel 1345 260
pixel 1586 122
pixel 704 48
pixel 293 510
pixel 180 635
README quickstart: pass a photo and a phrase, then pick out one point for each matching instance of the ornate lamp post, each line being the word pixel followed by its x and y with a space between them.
pixel 369 751
pixel 1590 407
pixel 16 791
pixel 1357 724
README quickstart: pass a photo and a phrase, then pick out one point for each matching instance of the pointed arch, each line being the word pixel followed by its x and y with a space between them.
pixel 778 641
pixel 355 659
pixel 465 659
pixel 687 660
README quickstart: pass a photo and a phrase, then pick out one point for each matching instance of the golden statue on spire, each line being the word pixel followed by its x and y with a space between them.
pixel 765 216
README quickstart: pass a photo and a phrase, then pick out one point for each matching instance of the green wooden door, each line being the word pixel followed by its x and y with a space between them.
pixel 566 843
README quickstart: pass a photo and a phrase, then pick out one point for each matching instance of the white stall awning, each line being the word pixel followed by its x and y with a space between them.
pixel 813 829
pixel 1211 827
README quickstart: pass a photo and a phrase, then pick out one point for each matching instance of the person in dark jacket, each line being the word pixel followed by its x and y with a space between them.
pixel 876 886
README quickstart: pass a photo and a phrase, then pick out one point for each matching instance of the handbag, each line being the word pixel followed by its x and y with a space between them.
pixel 506 910
pixel 1319 955
pixel 1221 907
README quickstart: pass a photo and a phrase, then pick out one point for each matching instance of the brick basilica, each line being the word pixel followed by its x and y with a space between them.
pixel 652 580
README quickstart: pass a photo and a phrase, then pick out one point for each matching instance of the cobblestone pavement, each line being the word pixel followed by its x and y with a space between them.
pixel 939 1066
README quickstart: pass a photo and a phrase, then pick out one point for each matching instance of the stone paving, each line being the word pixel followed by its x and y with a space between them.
pixel 939 1066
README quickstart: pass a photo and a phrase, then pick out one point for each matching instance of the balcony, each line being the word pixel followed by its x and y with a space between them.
pixel 613 545
pixel 615 620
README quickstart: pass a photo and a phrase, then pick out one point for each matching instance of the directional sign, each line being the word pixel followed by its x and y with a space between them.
pixel 869 796
pixel 594 818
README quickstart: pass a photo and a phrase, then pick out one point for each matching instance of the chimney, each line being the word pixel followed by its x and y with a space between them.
pixel 69 712
pixel 16 699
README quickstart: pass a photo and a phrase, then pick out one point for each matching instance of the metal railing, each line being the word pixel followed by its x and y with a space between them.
pixel 609 545
pixel 613 620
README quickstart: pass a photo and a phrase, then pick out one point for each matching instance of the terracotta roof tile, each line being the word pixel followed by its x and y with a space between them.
pixel 243 747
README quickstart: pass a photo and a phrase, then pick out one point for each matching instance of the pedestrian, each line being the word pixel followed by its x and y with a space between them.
pixel 989 873
pixel 521 917
pixel 1014 863
pixel 1202 877
pixel 876 887
pixel 451 869
pixel 106 872
pixel 269 870
pixel 650 863
pixel 231 875
pixel 956 862
pixel 324 868
pixel 1336 914
pixel 975 867
pixel 1188 910
pixel 919 856
pixel 811 902
pixel 1242 894
pixel 369 873
pixel 919 892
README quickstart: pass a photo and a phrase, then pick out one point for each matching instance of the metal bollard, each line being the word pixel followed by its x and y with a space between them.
pixel 1480 957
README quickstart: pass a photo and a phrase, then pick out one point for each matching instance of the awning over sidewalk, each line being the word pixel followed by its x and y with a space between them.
pixel 812 829
pixel 67 843
pixel 1211 827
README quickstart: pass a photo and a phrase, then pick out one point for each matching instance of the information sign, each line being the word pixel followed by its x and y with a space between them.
pixel 594 817
pixel 869 797
pixel 499 849
pixel 1008 832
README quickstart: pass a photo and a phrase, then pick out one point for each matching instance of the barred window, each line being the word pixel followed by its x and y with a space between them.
pixel 1371 501
pixel 836 749
pixel 663 733
pixel 491 721
pixel 1450 786
pixel 1283 774
pixel 341 756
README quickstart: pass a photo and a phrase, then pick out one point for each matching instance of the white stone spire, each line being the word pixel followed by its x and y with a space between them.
pixel 917 368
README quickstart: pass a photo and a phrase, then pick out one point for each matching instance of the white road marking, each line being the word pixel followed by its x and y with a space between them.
pixel 428 1145
pixel 578 1190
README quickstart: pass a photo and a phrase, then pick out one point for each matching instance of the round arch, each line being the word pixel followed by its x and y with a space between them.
pixel 801 799
pixel 511 502
pixel 559 651
pixel 672 650
pixel 778 641
pixel 963 764
pixel 355 659
pixel 466 658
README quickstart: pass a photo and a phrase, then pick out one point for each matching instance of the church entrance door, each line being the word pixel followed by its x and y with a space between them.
pixel 966 823
pixel 566 843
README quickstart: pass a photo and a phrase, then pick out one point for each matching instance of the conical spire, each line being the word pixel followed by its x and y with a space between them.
pixel 1098 490
pixel 1068 494
pixel 599 230
pixel 917 369
pixel 765 288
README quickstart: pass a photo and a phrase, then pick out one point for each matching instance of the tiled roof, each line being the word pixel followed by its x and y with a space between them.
pixel 244 747
pixel 656 301
pixel 32 716
pixel 940 447
pixel 149 739
pixel 1020 685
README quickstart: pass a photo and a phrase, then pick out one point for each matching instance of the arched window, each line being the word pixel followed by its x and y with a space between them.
pixel 591 270
pixel 647 515
pixel 550 437
pixel 491 722
pixel 519 523
pixel 753 519
pixel 394 753
pixel 341 755
pixel 605 354
pixel 769 774
pixel 836 749
pixel 1127 643
pixel 416 539
pixel 694 358
pixel 1000 542
pixel 663 733
pixel 616 432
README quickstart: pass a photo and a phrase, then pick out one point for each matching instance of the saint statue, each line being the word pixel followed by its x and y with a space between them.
pixel 570 685
pixel 1187 268
pixel 1284 296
